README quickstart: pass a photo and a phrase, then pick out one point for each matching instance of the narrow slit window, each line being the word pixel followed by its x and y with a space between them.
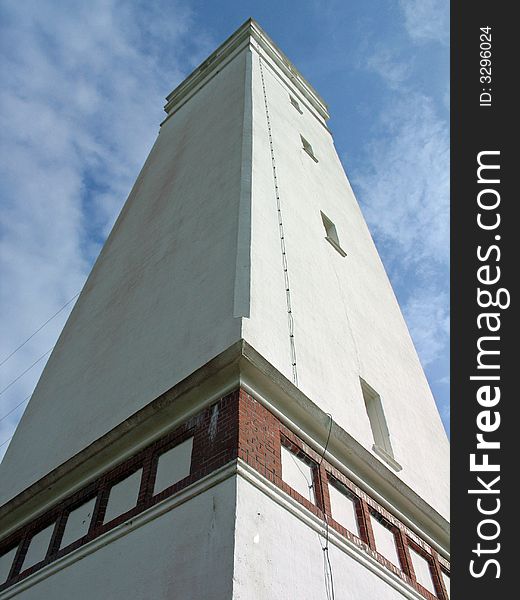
pixel 331 234
pixel 380 433
pixel 296 105
pixel 308 148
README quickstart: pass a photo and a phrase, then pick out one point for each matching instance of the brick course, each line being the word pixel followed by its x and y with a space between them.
pixel 236 426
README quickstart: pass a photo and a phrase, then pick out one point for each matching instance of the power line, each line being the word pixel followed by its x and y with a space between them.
pixel 5 441
pixel 39 329
pixel 13 409
pixel 329 575
pixel 10 412
pixel 26 370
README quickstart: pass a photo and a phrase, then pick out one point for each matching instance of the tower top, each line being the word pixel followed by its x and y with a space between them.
pixel 250 33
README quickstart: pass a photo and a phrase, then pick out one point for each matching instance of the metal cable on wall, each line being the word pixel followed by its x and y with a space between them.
pixel 282 233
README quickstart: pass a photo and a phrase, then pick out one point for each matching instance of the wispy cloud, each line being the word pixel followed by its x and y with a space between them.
pixel 384 62
pixel 402 181
pixel 79 109
pixel 427 315
pixel 427 20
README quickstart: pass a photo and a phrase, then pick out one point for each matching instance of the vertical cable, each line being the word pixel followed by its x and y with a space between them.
pixel 283 250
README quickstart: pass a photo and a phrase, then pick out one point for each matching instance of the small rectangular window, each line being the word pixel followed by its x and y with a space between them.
pixel 6 562
pixel 78 522
pixel 422 570
pixel 384 538
pixel 38 547
pixel 331 234
pixel 123 496
pixel 308 148
pixel 380 433
pixel 173 465
pixel 294 102
pixel 343 505
pixel 298 474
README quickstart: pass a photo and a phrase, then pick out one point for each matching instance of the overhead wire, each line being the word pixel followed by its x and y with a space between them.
pixel 15 407
pixel 329 574
pixel 26 371
pixel 39 329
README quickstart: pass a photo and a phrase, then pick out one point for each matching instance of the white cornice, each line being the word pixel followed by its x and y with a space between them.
pixel 123 529
pixel 241 365
pixel 248 34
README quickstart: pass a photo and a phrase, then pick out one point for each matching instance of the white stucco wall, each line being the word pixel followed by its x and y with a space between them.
pixel 159 302
pixel 168 289
pixel 278 556
pixel 185 553
pixel 347 320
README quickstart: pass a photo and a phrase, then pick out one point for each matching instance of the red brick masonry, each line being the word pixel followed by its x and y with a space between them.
pixel 236 426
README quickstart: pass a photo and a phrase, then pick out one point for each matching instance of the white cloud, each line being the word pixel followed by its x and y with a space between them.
pixel 427 315
pixel 384 62
pixel 404 182
pixel 80 106
pixel 427 20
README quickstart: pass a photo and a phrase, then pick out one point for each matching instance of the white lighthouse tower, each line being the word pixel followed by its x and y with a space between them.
pixel 234 409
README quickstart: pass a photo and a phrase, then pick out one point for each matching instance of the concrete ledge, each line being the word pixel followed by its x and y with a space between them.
pixel 238 365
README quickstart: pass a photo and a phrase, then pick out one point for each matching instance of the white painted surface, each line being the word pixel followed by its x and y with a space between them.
pixel 346 318
pixel 422 571
pixel 167 291
pixel 385 541
pixel 279 556
pixel 78 523
pixel 343 509
pixel 6 562
pixel 297 474
pixel 173 465
pixel 123 496
pixel 159 302
pixel 185 553
pixel 38 547
pixel 446 579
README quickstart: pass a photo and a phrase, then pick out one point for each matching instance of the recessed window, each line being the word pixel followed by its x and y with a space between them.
pixel 78 523
pixel 123 496
pixel 294 102
pixel 173 465
pixel 343 506
pixel 6 562
pixel 385 539
pixel 298 474
pixel 308 148
pixel 38 547
pixel 380 433
pixel 421 567
pixel 331 234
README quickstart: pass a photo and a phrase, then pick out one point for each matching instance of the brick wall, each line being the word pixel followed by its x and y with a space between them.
pixel 236 426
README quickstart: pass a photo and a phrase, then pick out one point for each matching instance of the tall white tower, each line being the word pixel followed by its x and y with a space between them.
pixel 235 409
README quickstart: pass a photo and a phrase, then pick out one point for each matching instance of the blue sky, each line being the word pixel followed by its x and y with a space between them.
pixel 82 92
